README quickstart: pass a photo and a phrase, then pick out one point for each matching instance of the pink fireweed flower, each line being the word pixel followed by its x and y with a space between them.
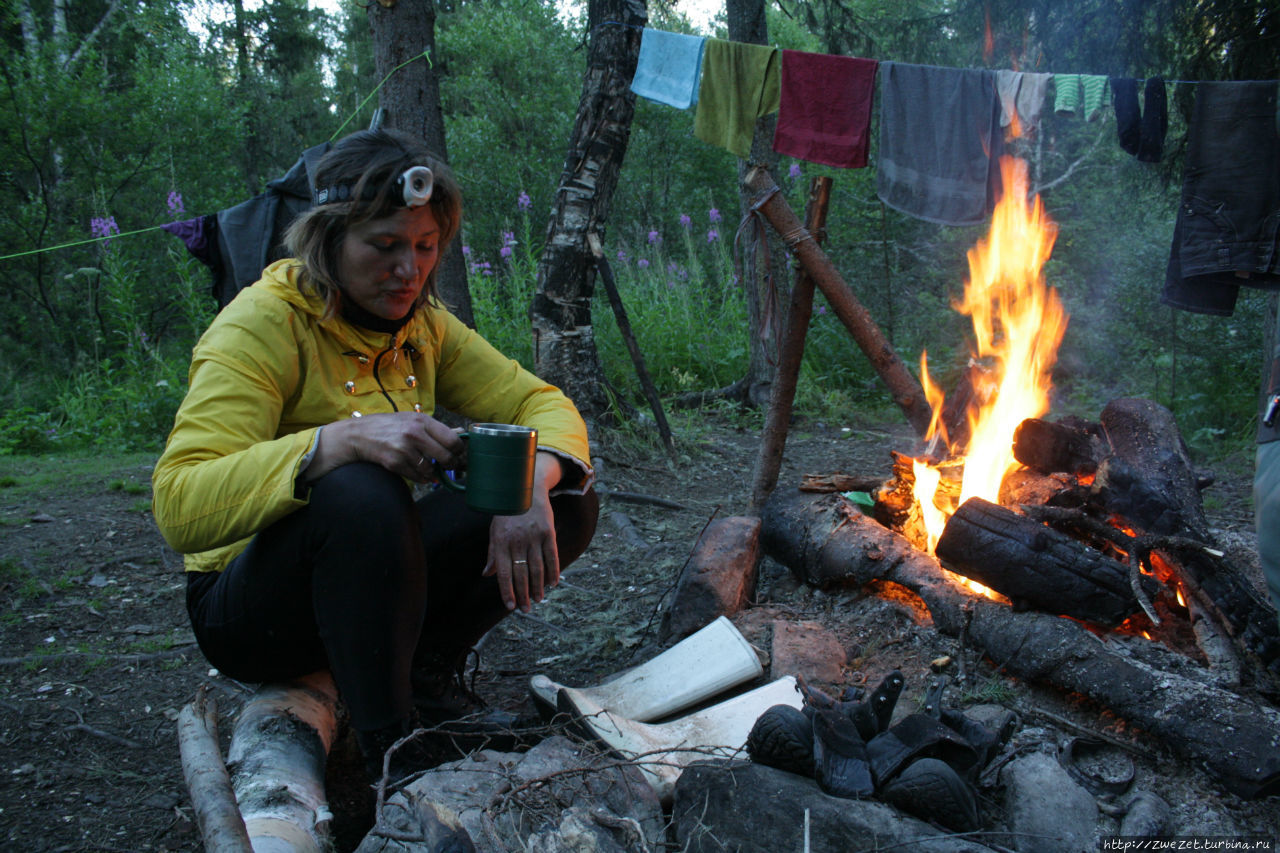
pixel 685 221
pixel 654 238
pixel 622 256
pixel 103 227
pixel 643 263
pixel 714 214
pixel 175 203
pixel 505 253
pixel 712 235
pixel 508 238
pixel 523 201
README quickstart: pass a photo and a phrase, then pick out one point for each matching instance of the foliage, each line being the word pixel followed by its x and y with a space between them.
pixel 124 120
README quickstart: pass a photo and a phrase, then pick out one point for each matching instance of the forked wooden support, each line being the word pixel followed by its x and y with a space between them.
pixel 904 387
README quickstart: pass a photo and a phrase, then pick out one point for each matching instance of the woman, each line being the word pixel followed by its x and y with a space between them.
pixel 285 481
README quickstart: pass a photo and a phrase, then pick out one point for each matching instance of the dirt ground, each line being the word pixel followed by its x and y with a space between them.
pixel 96 657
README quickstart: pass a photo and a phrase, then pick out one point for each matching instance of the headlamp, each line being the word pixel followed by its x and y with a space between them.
pixel 414 185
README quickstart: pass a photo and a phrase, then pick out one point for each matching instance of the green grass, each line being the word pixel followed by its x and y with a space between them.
pixel 33 475
pixel 129 487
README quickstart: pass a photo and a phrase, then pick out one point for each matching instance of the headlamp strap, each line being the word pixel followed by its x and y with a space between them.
pixel 415 185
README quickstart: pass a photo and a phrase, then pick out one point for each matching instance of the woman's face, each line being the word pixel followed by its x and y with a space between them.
pixel 383 263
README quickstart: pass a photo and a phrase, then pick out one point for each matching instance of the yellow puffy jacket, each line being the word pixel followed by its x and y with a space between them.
pixel 269 372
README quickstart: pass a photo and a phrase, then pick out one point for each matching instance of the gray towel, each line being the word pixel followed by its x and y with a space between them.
pixel 940 142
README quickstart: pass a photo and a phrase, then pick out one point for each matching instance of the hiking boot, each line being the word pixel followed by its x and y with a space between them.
pixel 840 756
pixel 782 737
pixel 929 788
pixel 449 709
pixel 405 760
pixel 918 736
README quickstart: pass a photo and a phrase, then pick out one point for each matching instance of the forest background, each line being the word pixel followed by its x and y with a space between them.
pixel 119 115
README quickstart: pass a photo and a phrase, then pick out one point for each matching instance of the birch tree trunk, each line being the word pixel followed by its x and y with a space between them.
pixel 564 348
pixel 411 101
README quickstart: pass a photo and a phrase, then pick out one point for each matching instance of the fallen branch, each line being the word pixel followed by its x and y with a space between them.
pixel 637 498
pixel 221 826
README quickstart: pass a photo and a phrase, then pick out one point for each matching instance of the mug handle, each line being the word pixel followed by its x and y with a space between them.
pixel 441 475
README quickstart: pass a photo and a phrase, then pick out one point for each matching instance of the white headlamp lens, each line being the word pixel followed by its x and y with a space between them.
pixel 416 184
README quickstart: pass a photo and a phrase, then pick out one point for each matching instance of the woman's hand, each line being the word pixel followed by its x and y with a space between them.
pixel 522 548
pixel 402 442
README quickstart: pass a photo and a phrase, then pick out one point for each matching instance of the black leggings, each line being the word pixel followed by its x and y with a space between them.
pixel 367 583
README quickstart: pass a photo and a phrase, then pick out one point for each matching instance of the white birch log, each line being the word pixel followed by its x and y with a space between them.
pixel 221 827
pixel 277 760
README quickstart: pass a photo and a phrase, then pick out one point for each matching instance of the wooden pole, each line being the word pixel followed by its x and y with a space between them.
pixel 904 387
pixel 637 357
pixel 784 385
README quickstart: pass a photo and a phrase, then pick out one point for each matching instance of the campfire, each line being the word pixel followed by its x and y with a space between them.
pixel 1055 545
pixel 1018 323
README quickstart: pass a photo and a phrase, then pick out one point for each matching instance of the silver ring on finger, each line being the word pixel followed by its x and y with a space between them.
pixel 519 562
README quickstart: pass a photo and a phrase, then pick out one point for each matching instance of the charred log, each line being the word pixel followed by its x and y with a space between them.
pixel 1057 447
pixel 1036 566
pixel 1148 478
pixel 1206 577
pixel 1233 737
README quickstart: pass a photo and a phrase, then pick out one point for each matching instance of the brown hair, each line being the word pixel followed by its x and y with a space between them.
pixel 368 161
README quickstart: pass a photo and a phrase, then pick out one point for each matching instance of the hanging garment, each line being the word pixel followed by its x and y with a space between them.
pixel 1228 229
pixel 1141 131
pixel 668 68
pixel 1067 97
pixel 740 83
pixel 1079 93
pixel 1022 93
pixel 940 142
pixel 824 115
pixel 238 243
pixel 1094 87
pixel 199 235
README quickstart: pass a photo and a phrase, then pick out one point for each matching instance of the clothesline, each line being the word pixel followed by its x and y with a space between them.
pixel 1170 82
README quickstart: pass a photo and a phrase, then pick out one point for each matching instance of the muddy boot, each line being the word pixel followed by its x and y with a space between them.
pixel 449 709
pixel 783 738
pixel 929 788
pixel 840 756
pixel 409 758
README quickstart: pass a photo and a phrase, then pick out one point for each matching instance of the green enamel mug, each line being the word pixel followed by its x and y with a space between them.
pixel 499 473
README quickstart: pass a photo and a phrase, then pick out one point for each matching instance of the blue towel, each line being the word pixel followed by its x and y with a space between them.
pixel 668 68
pixel 940 142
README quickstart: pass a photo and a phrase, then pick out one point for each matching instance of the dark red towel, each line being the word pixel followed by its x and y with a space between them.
pixel 825 113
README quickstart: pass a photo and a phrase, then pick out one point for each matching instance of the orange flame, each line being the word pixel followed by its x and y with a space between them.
pixel 1018 323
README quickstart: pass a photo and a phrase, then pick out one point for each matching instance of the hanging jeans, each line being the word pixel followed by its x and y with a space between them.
pixel 365 582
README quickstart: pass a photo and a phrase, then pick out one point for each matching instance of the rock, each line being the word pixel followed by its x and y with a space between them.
pixel 1047 811
pixel 719 580
pixel 728 806
pixel 1146 816
pixel 470 804
pixel 808 649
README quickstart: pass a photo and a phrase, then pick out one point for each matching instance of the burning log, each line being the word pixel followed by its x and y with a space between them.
pixel 1058 446
pixel 1037 566
pixel 1234 738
